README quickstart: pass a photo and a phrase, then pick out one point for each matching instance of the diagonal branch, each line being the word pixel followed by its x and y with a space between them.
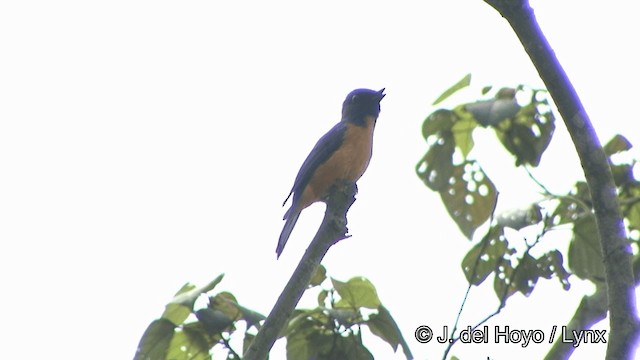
pixel 591 310
pixel 616 252
pixel 332 230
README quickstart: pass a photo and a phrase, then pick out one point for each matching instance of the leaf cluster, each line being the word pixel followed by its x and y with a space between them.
pixel 469 195
pixel 173 337
pixel 333 329
pixel 466 190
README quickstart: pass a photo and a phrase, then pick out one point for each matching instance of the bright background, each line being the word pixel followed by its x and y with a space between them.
pixel 144 144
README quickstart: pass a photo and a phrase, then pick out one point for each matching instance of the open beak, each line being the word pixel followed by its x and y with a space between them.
pixel 381 94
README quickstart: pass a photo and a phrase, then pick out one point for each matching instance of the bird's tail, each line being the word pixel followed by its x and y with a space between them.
pixel 292 217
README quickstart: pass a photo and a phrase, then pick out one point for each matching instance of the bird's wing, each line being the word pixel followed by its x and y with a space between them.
pixel 322 151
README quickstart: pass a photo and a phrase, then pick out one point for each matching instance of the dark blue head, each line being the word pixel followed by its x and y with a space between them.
pixel 360 103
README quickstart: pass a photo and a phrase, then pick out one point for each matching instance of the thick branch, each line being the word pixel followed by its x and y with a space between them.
pixel 616 252
pixel 591 310
pixel 332 230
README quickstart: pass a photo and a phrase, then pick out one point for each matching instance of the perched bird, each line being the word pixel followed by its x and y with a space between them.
pixel 343 153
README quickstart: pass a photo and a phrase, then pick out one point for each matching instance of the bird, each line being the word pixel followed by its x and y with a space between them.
pixel 343 153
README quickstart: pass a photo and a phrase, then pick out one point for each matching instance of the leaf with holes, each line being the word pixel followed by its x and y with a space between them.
pixel 482 259
pixel 521 218
pixel 551 264
pixel 503 282
pixel 528 135
pixel 469 197
pixel 440 121
pixel 526 275
pixel 436 166
pixel 492 112
pixel 188 346
pixel 566 212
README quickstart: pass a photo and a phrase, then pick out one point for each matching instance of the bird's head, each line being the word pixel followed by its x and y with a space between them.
pixel 360 103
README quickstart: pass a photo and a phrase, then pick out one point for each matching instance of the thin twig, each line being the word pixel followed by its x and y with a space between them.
pixel 503 297
pixel 485 242
pixel 551 194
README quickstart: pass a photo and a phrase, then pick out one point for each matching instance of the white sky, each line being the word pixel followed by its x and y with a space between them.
pixel 145 144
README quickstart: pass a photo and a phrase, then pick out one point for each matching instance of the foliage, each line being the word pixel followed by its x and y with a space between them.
pixel 332 330
pixel 172 337
pixel 525 130
pixel 466 190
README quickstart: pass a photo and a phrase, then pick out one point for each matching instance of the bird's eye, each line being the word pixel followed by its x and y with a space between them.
pixel 355 98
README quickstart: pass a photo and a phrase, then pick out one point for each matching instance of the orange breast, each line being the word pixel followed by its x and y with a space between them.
pixel 349 162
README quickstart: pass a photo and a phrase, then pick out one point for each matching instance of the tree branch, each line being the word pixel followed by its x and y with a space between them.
pixel 333 229
pixel 616 252
pixel 592 309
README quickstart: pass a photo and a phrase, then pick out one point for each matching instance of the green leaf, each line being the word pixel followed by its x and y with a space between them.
pixel 552 264
pixel 463 134
pixel 155 341
pixel 213 320
pixel 299 320
pixel 585 254
pixel 440 121
pixel 200 337
pixel 383 326
pixel 503 281
pixel 622 174
pixel 486 89
pixel 484 257
pixel 176 313
pixel 618 144
pixel 521 218
pixel 469 197
pixel 464 82
pixel 322 297
pixel 227 304
pixel 492 112
pixel 344 316
pixel 298 346
pixel 527 274
pixel 632 211
pixel 188 294
pixel 310 339
pixel 356 293
pixel 528 135
pixel 188 347
pixel 566 212
pixel 349 347
pixel 436 167
pixel 318 276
